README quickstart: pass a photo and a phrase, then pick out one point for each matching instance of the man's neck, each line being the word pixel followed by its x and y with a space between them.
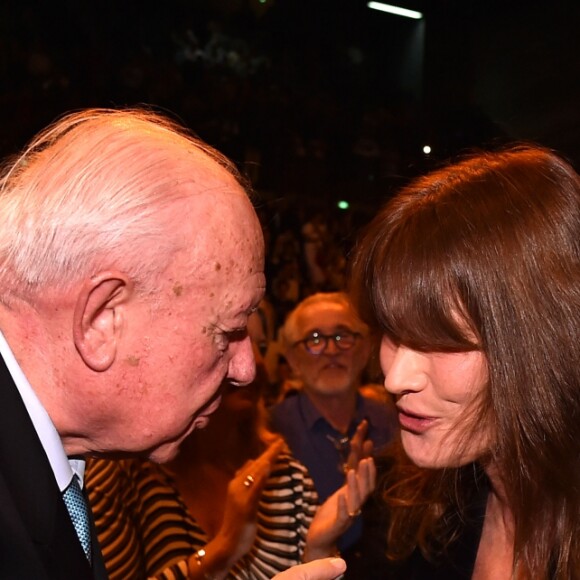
pixel 338 410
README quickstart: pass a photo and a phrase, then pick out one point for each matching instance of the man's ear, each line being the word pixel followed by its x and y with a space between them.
pixel 99 316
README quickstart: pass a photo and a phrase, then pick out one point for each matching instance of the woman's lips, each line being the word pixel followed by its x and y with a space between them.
pixel 415 423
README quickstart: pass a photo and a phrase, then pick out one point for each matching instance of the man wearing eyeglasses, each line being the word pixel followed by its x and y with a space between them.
pixel 328 347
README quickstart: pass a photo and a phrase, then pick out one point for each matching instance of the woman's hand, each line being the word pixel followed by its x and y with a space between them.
pixel 326 569
pixel 244 491
pixel 360 446
pixel 238 530
pixel 337 513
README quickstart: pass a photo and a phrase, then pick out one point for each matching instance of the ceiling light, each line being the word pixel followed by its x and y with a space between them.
pixel 395 10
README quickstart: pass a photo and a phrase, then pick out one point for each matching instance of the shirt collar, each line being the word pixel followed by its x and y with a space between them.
pixel 49 437
pixel 312 415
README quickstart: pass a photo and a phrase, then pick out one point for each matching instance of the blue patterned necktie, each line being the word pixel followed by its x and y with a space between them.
pixel 77 508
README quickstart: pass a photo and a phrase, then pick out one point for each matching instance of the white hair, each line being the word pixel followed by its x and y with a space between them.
pixel 289 330
pixel 89 190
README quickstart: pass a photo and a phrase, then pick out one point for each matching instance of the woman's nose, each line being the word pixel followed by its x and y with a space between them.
pixel 405 369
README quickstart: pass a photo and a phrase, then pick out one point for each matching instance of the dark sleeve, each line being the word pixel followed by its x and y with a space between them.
pixel 367 558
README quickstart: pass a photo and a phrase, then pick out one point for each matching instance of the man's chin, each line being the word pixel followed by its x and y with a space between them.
pixel 168 450
pixel 165 452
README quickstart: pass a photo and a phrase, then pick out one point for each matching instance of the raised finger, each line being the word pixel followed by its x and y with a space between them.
pixel 352 493
pixel 358 438
pixel 366 477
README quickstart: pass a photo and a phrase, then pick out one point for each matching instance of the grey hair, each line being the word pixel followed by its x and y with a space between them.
pixel 288 332
pixel 90 191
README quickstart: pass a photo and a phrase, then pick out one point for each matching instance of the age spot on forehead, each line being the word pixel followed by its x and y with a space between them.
pixel 132 361
pixel 217 266
pixel 178 289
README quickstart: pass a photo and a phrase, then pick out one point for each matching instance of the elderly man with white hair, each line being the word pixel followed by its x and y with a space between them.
pixel 130 260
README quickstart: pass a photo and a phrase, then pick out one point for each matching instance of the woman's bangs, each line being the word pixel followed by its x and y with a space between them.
pixel 415 295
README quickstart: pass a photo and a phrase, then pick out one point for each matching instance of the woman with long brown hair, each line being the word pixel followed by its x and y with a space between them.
pixel 472 276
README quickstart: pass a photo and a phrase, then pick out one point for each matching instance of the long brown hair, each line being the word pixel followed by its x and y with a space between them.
pixel 494 238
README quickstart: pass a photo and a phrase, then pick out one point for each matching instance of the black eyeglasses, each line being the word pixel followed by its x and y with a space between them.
pixel 316 342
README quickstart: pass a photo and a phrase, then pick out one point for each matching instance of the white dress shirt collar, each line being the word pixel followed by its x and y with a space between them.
pixel 63 468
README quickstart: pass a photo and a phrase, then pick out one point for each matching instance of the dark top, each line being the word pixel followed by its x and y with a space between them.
pixel 369 559
pixel 323 449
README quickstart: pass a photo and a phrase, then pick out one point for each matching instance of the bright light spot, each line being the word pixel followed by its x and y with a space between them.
pixel 395 10
pixel 343 204
pixel 427 149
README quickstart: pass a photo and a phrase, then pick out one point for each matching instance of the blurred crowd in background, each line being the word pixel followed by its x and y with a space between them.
pixel 306 99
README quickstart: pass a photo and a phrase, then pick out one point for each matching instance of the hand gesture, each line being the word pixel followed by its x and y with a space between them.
pixel 337 513
pixel 360 447
pixel 238 530
pixel 239 524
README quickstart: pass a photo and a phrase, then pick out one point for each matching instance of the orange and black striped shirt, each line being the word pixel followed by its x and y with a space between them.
pixel 145 530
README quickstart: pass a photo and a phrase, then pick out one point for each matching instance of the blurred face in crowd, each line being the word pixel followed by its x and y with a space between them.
pixel 330 349
pixel 435 393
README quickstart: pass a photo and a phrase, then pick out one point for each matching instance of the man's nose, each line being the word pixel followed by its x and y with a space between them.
pixel 242 367
pixel 331 347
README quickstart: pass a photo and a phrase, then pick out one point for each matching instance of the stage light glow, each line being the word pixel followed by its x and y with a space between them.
pixel 343 204
pixel 427 149
pixel 395 10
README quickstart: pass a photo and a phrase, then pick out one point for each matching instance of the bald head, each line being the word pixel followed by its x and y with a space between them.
pixel 92 191
pixel 130 260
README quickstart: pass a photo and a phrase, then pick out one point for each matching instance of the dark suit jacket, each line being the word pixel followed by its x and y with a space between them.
pixel 37 538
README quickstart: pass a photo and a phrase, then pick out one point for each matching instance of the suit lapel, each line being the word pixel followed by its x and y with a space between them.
pixel 99 570
pixel 33 490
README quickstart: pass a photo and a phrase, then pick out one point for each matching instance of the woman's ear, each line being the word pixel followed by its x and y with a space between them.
pixel 99 316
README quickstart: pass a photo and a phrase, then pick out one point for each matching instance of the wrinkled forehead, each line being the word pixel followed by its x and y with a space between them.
pixel 327 317
pixel 220 242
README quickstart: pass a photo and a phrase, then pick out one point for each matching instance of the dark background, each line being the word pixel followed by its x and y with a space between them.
pixel 315 99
